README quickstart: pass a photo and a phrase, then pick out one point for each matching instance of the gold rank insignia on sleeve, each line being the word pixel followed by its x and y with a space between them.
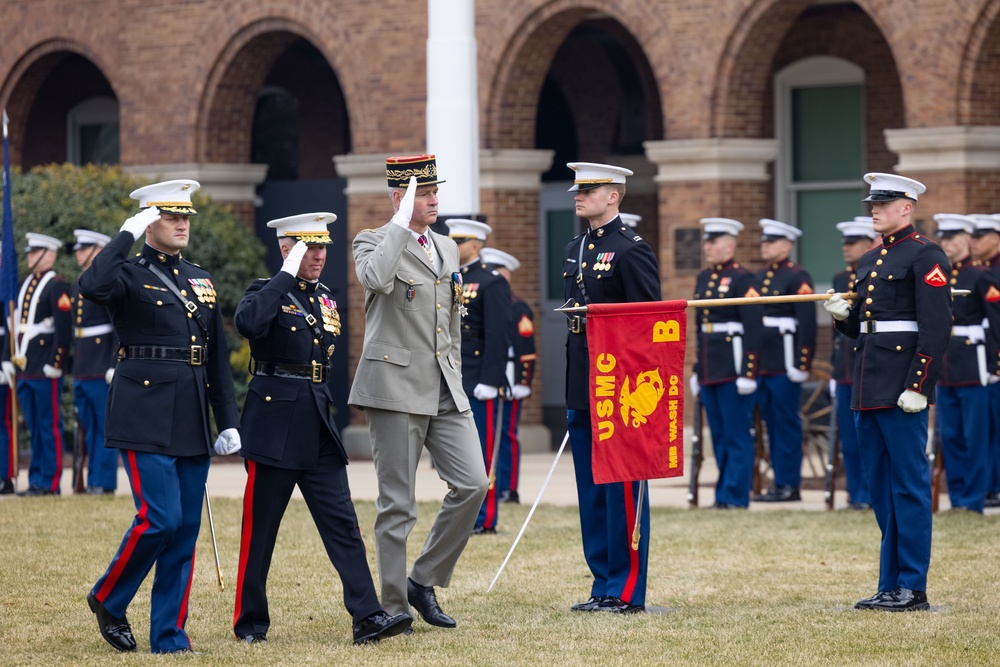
pixel 203 289
pixel 331 318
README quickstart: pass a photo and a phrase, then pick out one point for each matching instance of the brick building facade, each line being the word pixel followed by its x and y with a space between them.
pixel 714 104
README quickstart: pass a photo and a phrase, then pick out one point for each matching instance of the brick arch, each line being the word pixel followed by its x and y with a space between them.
pixel 514 91
pixel 745 67
pixel 978 89
pixel 226 113
pixel 19 92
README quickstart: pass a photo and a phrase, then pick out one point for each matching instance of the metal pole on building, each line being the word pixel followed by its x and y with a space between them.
pixel 452 104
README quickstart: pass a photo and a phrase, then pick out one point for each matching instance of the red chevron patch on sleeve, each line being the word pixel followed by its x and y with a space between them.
pixel 805 289
pixel 935 277
pixel 993 294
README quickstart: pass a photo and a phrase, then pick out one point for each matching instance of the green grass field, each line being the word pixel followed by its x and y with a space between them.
pixel 742 588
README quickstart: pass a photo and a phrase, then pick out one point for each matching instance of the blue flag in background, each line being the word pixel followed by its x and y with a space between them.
pixel 8 258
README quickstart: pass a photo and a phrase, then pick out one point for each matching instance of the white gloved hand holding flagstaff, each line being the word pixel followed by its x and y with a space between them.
pixel 838 308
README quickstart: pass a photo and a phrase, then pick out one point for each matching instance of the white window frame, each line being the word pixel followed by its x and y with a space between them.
pixel 812 72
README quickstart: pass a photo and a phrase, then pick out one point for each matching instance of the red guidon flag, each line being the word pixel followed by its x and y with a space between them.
pixel 637 389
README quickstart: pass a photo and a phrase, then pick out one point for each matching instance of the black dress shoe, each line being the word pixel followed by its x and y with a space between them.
pixel 425 602
pixel 590 605
pixel 868 603
pixel 616 606
pixel 34 491
pixel 381 625
pixel 510 497
pixel 903 599
pixel 860 507
pixel 992 500
pixel 6 487
pixel 779 494
pixel 482 530
pixel 719 505
pixel 99 491
pixel 116 631
pixel 254 638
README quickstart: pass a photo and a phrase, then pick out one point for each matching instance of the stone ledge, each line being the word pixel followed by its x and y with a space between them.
pixel 953 148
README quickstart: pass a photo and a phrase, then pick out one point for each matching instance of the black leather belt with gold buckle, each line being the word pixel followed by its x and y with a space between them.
pixel 193 355
pixel 576 324
pixel 317 373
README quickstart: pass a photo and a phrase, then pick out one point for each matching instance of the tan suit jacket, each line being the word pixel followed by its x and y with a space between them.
pixel 412 324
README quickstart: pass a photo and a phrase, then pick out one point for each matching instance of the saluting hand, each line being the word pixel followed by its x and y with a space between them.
pixel 137 224
pixel 405 212
pixel 294 259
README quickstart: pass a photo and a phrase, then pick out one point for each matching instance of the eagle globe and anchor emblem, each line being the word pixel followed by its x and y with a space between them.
pixel 641 402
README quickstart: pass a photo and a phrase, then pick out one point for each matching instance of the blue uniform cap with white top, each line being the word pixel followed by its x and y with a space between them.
pixel 890 187
pixel 714 227
pixel 463 230
pixel 310 228
pixel 499 258
pixel 590 175
pixel 41 242
pixel 985 223
pixel 86 237
pixel 858 229
pixel 630 219
pixel 950 224
pixel 172 197
pixel 772 230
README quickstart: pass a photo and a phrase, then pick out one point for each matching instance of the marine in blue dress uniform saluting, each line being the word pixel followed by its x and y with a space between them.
pixel 521 358
pixel 857 238
pixel 986 248
pixel 43 335
pixel 486 297
pixel 289 437
pixel 94 348
pixel 901 321
pixel 963 397
pixel 608 263
pixel 726 366
pixel 786 350
pixel 175 366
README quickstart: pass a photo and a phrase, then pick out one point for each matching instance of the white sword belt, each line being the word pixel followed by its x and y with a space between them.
pixel 974 332
pixel 90 332
pixel 729 328
pixel 783 324
pixel 32 330
pixel 888 326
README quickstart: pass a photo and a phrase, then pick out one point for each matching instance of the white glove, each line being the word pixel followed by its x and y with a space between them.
pixel 109 375
pixel 228 442
pixel 9 372
pixel 911 401
pixel 833 388
pixel 836 306
pixel 993 379
pixel 294 259
pixel 745 386
pixel 405 212
pixel 522 391
pixel 484 392
pixel 51 372
pixel 797 376
pixel 137 224
pixel 693 383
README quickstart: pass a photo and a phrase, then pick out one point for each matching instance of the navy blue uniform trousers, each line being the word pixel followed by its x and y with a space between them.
pixel 778 398
pixel 167 491
pixel 730 418
pixel 39 400
pixel 91 398
pixel 509 465
pixel 607 517
pixel 894 458
pixel 964 419
pixel 850 448
pixel 486 414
